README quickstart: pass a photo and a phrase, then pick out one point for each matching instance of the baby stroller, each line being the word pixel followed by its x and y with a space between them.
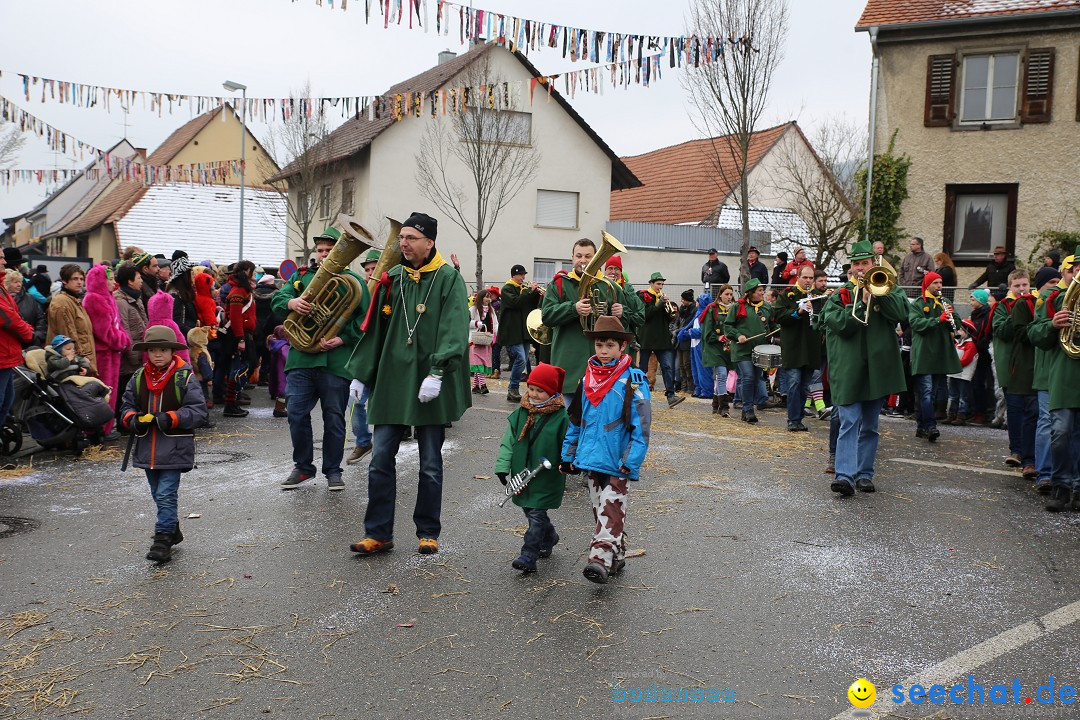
pixel 66 414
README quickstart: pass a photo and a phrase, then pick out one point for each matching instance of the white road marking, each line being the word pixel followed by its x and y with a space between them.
pixel 965 661
pixel 968 468
pixel 494 410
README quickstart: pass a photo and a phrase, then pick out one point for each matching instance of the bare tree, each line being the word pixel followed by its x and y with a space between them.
pixel 11 141
pixel 472 163
pixel 298 145
pixel 729 92
pixel 819 183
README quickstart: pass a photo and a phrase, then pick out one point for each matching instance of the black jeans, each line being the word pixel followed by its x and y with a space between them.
pixel 539 533
pixel 382 482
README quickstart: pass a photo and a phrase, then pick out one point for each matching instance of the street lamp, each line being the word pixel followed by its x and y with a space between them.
pixel 233 87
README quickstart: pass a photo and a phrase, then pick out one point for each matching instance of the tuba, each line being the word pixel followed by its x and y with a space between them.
pixel 879 280
pixel 391 256
pixel 333 294
pixel 1069 336
pixel 595 287
pixel 538 331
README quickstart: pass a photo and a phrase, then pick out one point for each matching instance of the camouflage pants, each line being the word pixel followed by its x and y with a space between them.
pixel 608 496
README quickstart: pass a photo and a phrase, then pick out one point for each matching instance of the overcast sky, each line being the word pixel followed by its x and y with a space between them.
pixel 274 46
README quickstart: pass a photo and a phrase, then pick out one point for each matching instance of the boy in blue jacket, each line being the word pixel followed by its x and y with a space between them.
pixel 608 438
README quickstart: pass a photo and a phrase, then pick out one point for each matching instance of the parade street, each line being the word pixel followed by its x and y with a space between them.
pixel 746 577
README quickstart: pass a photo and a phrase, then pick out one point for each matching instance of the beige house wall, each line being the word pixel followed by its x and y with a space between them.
pixel 220 141
pixel 1041 158
pixel 570 161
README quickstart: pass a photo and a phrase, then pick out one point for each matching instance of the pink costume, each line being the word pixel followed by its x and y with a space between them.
pixel 110 337
pixel 159 312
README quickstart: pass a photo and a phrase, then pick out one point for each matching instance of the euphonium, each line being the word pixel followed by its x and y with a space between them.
pixel 595 287
pixel 332 294
pixel 879 280
pixel 538 331
pixel 1069 336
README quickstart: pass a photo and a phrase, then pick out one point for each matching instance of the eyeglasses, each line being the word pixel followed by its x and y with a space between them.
pixel 409 238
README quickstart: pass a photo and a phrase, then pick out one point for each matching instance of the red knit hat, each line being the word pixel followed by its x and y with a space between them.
pixel 615 260
pixel 929 278
pixel 548 378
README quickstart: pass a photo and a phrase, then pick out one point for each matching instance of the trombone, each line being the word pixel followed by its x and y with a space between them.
pixel 879 280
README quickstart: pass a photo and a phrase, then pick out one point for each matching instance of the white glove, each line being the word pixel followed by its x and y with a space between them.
pixel 804 305
pixel 429 389
pixel 356 390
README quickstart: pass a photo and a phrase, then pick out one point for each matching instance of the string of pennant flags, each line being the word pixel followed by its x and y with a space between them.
pixel 109 165
pixel 516 33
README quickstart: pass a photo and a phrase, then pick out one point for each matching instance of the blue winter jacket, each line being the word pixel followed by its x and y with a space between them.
pixel 602 442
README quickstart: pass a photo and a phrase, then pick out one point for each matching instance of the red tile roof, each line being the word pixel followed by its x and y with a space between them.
pixel 357 133
pixel 116 202
pixel 682 184
pixel 901 12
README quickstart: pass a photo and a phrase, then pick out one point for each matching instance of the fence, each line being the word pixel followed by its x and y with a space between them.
pixel 691 238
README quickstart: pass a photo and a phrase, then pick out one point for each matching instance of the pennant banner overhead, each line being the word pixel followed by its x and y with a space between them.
pixel 114 166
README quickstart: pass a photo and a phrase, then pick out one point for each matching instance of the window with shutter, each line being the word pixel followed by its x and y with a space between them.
pixel 940 90
pixel 1038 85
pixel 557 209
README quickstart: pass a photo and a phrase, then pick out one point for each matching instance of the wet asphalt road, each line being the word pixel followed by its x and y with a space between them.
pixel 754 581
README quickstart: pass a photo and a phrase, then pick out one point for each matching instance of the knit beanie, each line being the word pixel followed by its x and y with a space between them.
pixel 929 278
pixel 1046 274
pixel 982 295
pixel 615 260
pixel 548 378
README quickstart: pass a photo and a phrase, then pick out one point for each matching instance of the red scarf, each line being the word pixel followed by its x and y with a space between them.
pixel 156 379
pixel 741 312
pixel 600 378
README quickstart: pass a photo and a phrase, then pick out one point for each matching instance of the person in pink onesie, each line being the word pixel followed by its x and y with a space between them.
pixel 110 337
pixel 159 311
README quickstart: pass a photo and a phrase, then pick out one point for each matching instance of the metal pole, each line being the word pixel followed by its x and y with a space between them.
pixel 243 143
pixel 873 122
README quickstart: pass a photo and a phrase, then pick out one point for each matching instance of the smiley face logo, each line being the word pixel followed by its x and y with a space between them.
pixel 862 693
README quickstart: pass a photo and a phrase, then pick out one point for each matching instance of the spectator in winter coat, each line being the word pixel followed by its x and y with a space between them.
pixel 778 268
pixel 110 337
pixel 14 333
pixel 128 297
pixel 29 309
pixel 159 311
pixel 791 270
pixel 182 288
pixel 915 264
pixel 960 383
pixel 714 271
pixel 67 316
pixel 757 269
pixel 997 272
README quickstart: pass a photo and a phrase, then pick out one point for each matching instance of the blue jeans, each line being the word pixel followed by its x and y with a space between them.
pixel 834 432
pixel 798 387
pixel 517 364
pixel 666 360
pixel 539 532
pixel 959 395
pixel 856 446
pixel 382 482
pixel 7 393
pixel 925 391
pixel 1022 412
pixel 1042 438
pixel 165 489
pixel 304 388
pixel 359 421
pixel 1065 447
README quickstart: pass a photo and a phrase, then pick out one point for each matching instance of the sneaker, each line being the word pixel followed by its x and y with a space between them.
pixel 512 395
pixel 933 435
pixel 1029 472
pixel 1044 486
pixel 484 390
pixel 1059 499
pixel 825 413
pixel 371 546
pixel 525 564
pixel 920 433
pixel 335 483
pixel 865 485
pixel 842 486
pixel 1013 460
pixel 797 427
pixel 674 400
pixel 358 454
pixel 295 478
pixel 547 546
pixel 595 572
pixel 161 548
pixel 428 546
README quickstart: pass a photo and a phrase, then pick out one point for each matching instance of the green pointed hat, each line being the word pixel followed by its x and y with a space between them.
pixel 861 250
pixel 372 255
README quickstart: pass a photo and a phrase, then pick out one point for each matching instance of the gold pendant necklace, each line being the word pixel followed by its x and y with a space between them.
pixel 421 308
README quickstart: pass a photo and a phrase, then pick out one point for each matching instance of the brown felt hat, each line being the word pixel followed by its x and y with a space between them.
pixel 609 326
pixel 159 336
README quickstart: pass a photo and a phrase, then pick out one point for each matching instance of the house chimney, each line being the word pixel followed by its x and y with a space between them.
pixel 446 56
pixel 140 152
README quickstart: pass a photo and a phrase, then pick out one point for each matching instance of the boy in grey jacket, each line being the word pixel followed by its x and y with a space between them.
pixel 162 405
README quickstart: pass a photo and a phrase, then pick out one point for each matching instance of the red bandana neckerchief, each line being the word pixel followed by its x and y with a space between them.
pixel 554 404
pixel 741 312
pixel 155 378
pixel 600 378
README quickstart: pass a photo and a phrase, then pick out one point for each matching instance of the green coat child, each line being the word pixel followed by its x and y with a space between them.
pixel 535 432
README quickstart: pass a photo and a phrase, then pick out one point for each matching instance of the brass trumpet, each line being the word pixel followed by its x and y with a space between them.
pixel 879 280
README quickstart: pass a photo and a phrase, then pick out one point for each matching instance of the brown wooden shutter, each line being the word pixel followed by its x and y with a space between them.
pixel 1038 85
pixel 940 90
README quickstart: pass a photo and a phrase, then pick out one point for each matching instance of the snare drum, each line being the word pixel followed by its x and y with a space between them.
pixel 766 357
